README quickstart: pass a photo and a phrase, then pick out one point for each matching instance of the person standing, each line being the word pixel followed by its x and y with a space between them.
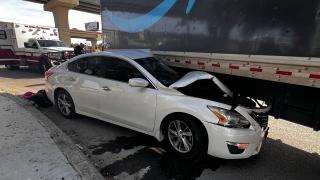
pixel 78 50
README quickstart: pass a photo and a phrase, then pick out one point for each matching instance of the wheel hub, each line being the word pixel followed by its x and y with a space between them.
pixel 64 104
pixel 180 136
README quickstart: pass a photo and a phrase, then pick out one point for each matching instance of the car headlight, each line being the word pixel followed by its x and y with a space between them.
pixel 55 55
pixel 229 118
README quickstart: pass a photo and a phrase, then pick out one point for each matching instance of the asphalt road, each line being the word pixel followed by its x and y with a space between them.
pixel 290 152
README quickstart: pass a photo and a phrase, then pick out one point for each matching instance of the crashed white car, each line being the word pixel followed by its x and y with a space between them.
pixel 195 114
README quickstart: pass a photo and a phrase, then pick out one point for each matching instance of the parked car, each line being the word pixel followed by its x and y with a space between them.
pixel 132 89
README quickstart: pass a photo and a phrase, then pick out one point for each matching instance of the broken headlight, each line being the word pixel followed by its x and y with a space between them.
pixel 229 118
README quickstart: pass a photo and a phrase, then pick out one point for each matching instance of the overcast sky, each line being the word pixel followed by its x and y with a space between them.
pixel 32 13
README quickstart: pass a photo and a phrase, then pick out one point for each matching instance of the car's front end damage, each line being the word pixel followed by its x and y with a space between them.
pixel 237 142
pixel 236 132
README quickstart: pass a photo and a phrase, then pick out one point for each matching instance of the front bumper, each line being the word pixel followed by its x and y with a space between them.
pixel 220 137
pixel 56 62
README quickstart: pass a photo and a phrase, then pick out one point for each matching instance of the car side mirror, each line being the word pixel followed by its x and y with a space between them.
pixel 138 82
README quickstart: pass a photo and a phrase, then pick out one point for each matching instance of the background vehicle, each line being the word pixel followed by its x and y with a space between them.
pixel 35 46
pixel 132 89
pixel 264 49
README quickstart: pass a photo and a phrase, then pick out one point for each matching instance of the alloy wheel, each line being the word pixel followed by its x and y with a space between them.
pixel 180 136
pixel 64 104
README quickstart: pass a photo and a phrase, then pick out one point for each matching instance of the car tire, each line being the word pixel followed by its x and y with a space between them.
pixel 178 140
pixel 65 104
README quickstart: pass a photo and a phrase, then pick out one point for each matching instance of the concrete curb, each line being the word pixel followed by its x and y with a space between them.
pixel 76 158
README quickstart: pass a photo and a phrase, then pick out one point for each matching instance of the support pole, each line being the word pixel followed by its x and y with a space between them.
pixel 60 10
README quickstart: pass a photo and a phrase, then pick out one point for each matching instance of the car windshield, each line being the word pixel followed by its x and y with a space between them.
pixel 50 43
pixel 159 70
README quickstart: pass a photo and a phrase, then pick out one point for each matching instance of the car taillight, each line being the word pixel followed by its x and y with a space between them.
pixel 66 54
pixel 47 74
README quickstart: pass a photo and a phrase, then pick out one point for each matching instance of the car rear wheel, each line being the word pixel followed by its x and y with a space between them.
pixel 185 137
pixel 65 104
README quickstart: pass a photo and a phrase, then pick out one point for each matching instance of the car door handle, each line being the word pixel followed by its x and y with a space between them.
pixel 106 88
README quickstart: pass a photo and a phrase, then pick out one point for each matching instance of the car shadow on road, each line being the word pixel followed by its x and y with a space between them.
pixel 276 161
pixel 161 164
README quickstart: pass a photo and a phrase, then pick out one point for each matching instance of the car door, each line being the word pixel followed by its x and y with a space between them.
pixel 133 106
pixel 84 85
pixel 32 52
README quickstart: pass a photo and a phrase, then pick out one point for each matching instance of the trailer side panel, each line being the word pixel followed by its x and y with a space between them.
pixel 264 27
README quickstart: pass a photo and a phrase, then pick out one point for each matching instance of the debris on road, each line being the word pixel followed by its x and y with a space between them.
pixel 40 98
pixel 79 146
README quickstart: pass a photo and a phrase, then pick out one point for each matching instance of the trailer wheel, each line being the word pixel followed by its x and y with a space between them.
pixel 12 67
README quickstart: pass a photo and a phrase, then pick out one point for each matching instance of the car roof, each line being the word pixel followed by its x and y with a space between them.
pixel 129 53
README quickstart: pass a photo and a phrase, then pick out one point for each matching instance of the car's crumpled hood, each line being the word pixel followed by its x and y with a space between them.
pixel 193 76
pixel 58 49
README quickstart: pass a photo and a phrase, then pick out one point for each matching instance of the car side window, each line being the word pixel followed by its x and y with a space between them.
pixel 117 69
pixel 34 45
pixel 87 65
pixel 106 67
pixel 73 66
pixel 127 71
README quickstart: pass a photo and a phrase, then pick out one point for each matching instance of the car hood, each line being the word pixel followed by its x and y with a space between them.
pixel 193 76
pixel 236 101
pixel 57 49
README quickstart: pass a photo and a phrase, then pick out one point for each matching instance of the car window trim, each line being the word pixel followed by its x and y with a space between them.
pixel 122 59
pixel 80 58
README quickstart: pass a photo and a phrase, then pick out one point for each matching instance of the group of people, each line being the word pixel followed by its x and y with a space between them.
pixel 82 49
pixel 79 49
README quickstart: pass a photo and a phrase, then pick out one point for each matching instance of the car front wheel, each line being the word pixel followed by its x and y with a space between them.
pixel 185 137
pixel 65 104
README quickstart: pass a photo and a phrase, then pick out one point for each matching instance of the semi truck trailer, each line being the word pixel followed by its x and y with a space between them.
pixel 266 49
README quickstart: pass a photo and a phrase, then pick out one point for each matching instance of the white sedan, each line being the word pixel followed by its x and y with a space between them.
pixel 195 114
